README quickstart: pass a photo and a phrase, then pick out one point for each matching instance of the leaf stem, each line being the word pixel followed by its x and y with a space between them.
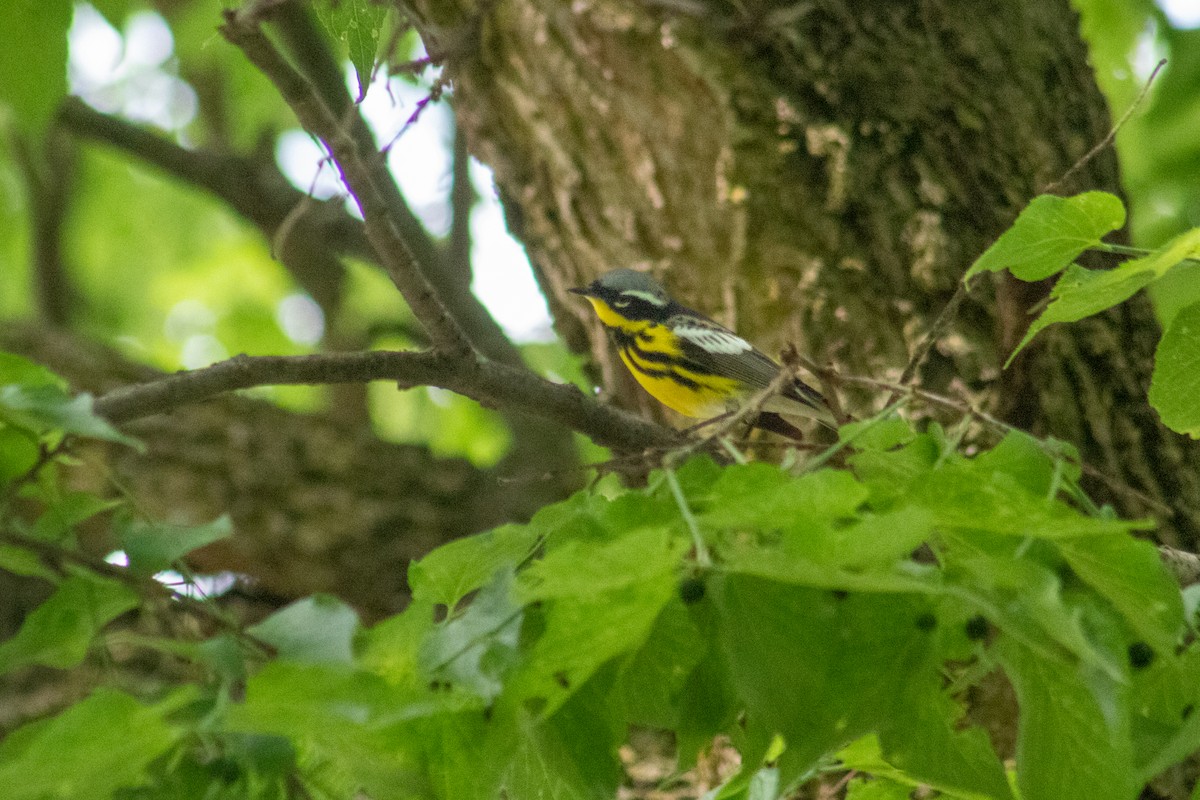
pixel 822 457
pixel 702 555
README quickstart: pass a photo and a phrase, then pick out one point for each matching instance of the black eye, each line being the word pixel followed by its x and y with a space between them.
pixel 621 303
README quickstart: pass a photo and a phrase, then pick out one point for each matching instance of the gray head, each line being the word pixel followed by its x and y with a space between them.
pixel 634 295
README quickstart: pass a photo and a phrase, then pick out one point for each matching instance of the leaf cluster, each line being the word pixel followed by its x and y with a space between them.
pixel 839 620
pixel 1045 241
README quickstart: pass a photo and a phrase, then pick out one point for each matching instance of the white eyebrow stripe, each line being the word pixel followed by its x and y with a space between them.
pixel 650 298
pixel 713 340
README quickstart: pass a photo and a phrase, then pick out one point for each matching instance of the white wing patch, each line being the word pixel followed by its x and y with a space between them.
pixel 714 340
pixel 649 297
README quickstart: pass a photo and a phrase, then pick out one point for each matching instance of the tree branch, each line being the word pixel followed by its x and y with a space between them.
pixel 48 173
pixel 462 201
pixel 308 48
pixel 365 175
pixel 457 322
pixel 488 382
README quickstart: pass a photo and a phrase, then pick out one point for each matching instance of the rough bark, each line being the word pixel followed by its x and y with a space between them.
pixel 819 173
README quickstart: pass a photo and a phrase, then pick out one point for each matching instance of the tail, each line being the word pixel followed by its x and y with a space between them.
pixel 800 400
pixel 770 421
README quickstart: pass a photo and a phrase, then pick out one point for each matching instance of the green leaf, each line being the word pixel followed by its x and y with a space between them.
pixel 454 570
pixel 352 724
pixel 877 434
pixel 874 540
pixel 959 765
pixel 33 61
pixel 889 475
pixel 309 699
pixel 579 568
pixel 59 631
pixel 601 599
pixel 585 631
pixel 315 630
pixel 43 409
pixel 710 702
pixel 763 496
pixel 903 578
pixel 18 369
pixel 968 495
pixel 1069 745
pixel 586 516
pixel 1026 599
pixel 1032 462
pixel 928 742
pixel 1131 575
pixel 1166 727
pixel 476 649
pixel 91 749
pixel 391 648
pixel 1175 386
pixel 465 754
pixel 67 511
pixel 877 789
pixel 1050 233
pixel 20 561
pixel 651 683
pixel 18 453
pixel 542 766
pixel 1082 292
pixel 156 546
pixel 843 661
pixel 591 732
pixel 226 656
pixel 358 26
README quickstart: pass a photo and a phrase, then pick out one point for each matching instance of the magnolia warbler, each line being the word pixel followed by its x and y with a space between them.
pixel 689 362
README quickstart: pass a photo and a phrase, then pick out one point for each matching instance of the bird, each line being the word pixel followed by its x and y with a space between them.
pixel 691 363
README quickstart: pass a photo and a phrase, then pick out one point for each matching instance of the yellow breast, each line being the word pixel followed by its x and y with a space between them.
pixel 652 354
pixel 657 363
pixel 704 397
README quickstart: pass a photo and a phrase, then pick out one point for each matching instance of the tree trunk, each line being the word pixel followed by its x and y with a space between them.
pixel 819 173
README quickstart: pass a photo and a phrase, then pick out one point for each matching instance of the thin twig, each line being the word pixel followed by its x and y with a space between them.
pixel 1136 252
pixel 1112 134
pixel 945 319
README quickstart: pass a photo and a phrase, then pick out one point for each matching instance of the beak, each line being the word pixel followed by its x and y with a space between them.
pixel 585 291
